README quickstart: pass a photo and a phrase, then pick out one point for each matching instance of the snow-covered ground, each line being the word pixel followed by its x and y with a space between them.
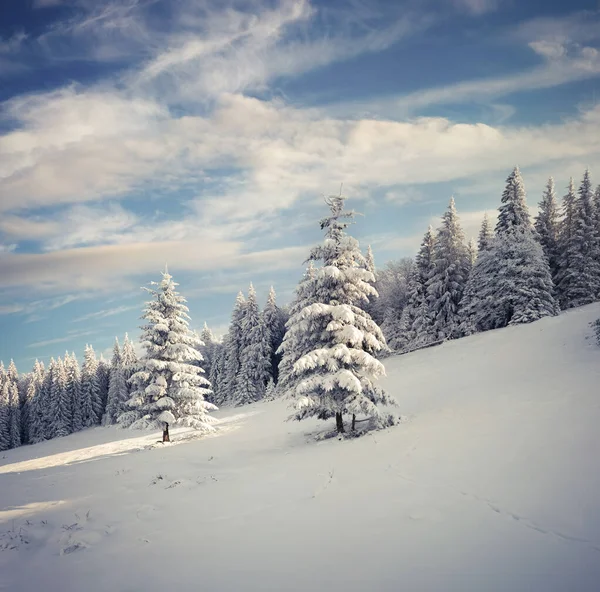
pixel 492 484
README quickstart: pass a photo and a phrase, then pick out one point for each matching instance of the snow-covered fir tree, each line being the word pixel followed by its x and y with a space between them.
pixel 129 362
pixel 547 225
pixel 270 392
pixel 233 344
pixel 91 402
pixel 217 372
pixel 117 388
pixel 207 350
pixel 579 273
pixel 74 392
pixel 4 414
pixel 36 425
pixel 14 408
pixel 103 383
pixel 449 277
pixel 513 213
pixel 60 407
pixel 336 376
pixel 486 234
pixel 510 282
pixel 472 252
pixel 46 398
pixel 417 321
pixel 255 358
pixel 27 398
pixel 274 319
pixel 296 344
pixel 565 243
pixel 170 387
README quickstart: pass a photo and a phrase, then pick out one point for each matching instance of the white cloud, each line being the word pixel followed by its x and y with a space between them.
pixel 102 314
pixel 70 336
pixel 477 7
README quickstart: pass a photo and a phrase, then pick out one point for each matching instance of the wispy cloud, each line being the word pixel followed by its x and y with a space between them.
pixel 65 338
pixel 102 314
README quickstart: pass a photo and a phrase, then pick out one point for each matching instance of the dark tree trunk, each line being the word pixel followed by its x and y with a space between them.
pixel 353 421
pixel 166 433
pixel 339 423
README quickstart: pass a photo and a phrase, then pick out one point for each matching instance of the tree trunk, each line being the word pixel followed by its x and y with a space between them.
pixel 166 433
pixel 353 421
pixel 339 423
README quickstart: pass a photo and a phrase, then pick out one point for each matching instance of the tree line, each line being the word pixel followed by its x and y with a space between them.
pixel 325 348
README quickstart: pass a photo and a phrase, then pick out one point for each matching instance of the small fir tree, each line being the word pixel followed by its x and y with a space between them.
pixel 170 387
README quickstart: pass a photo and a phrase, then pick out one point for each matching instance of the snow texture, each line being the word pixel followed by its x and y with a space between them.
pixel 490 484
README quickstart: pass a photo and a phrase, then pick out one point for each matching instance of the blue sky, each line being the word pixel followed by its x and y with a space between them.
pixel 203 134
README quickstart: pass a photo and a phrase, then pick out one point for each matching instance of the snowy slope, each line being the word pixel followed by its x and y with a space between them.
pixel 492 484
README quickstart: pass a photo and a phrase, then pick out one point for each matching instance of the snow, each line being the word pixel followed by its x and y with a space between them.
pixel 489 484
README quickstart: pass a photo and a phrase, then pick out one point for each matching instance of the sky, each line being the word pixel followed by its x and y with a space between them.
pixel 204 134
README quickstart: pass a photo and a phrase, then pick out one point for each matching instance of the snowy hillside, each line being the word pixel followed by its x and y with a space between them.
pixel 491 484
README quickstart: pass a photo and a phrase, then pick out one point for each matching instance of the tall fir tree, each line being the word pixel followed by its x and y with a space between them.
pixel 117 388
pixel 274 320
pixel 103 383
pixel 564 277
pixel 449 277
pixel 513 213
pixel 255 358
pixel 486 234
pixel 233 348
pixel 4 414
pixel 46 398
pixel 129 362
pixel 91 401
pixel 416 326
pixel 472 252
pixel 337 375
pixel 207 350
pixel 14 428
pixel 60 406
pixel 36 426
pixel 74 392
pixel 510 282
pixel 547 225
pixel 170 387
pixel 579 281
pixel 217 373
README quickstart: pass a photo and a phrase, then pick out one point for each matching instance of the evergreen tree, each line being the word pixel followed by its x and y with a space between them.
pixel 472 253
pixel 567 231
pixel 170 386
pixel 103 383
pixel 513 213
pixel 14 428
pixel 46 399
pixel 547 226
pixel 233 349
pixel 417 321
pixel 295 345
pixel 36 427
pixel 59 404
pixel 270 392
pixel 579 277
pixel 117 388
pixel 336 375
pixel 274 321
pixel 91 402
pixel 74 395
pixel 5 414
pixel 207 350
pixel 449 277
pixel 129 363
pixel 217 372
pixel 27 399
pixel 510 282
pixel 255 354
pixel 486 234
